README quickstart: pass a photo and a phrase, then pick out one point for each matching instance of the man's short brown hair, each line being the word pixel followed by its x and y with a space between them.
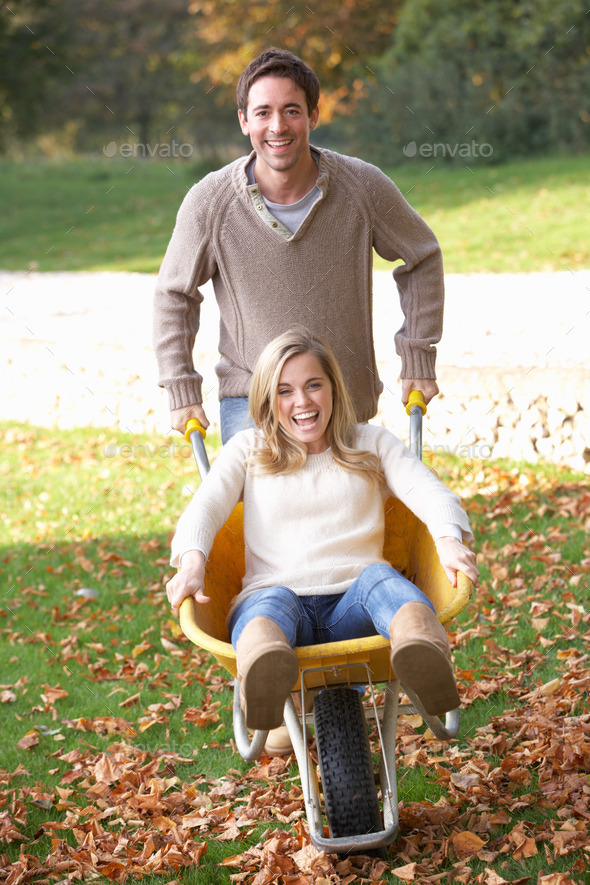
pixel 279 63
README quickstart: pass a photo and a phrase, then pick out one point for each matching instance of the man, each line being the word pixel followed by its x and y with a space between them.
pixel 286 235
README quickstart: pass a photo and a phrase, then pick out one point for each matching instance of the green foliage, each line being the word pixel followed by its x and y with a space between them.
pixel 518 217
pixel 337 39
pixel 34 36
pixel 490 80
pixel 76 74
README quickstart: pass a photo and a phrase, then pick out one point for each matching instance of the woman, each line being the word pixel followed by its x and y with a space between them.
pixel 314 485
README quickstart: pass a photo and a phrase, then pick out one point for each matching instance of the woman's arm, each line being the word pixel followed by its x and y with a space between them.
pixel 431 501
pixel 214 500
pixel 418 487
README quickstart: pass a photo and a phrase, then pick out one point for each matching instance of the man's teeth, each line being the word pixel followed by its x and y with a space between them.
pixel 279 143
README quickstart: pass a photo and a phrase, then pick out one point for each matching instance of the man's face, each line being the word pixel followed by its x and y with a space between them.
pixel 277 122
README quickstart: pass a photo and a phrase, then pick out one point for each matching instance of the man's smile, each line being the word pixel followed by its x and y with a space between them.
pixel 279 142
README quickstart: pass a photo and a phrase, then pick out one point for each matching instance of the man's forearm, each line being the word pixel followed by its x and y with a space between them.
pixel 175 322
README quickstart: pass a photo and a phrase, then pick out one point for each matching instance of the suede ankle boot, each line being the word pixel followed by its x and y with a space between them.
pixel 421 658
pixel 267 669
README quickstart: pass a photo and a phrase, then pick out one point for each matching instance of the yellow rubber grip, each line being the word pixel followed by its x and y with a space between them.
pixel 416 399
pixel 194 424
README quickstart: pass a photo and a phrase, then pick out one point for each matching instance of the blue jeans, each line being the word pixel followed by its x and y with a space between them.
pixel 233 416
pixel 368 606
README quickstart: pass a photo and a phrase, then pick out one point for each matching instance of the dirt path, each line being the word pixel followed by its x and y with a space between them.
pixel 77 346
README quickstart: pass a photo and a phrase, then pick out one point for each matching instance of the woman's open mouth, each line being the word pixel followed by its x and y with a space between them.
pixel 305 420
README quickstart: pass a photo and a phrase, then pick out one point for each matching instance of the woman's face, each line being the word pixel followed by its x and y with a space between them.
pixel 305 401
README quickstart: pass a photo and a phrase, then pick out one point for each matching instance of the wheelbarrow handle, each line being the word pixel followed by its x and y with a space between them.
pixel 195 434
pixel 416 398
pixel 416 409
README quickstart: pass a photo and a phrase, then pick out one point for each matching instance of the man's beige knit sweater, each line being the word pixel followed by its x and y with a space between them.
pixel 266 279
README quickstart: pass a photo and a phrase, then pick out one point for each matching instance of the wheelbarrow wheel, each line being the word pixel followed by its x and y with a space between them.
pixel 346 765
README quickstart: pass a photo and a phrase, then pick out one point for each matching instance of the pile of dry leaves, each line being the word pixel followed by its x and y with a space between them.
pixel 131 813
pixel 512 788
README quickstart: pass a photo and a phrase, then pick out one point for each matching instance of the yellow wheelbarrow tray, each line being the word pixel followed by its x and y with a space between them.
pixel 328 672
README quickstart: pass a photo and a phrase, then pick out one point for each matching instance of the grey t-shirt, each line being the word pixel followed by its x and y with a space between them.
pixel 290 215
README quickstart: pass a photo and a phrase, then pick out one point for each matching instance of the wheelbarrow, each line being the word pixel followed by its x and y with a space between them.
pixel 334 677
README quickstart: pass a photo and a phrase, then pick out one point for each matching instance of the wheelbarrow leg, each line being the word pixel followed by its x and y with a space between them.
pixel 249 750
pixel 444 729
pixel 387 762
pixel 309 782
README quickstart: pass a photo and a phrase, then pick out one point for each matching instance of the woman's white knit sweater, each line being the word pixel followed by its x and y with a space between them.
pixel 314 530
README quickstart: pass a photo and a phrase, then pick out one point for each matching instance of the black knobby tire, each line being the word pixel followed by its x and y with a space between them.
pixel 346 766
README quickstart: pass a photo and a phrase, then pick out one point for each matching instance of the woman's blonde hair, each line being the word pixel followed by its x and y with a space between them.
pixel 283 453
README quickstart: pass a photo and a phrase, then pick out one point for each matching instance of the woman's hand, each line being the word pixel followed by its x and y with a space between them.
pixel 456 557
pixel 189 581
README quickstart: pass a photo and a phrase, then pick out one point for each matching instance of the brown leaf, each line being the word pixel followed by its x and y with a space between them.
pixel 556 879
pixel 103 725
pixel 499 571
pixel 525 846
pixel 463 780
pixel 492 878
pixel 106 771
pixel 466 844
pixel 141 648
pixel 202 718
pixel 132 699
pixel 551 687
pixel 407 873
pixel 53 693
pixel 31 739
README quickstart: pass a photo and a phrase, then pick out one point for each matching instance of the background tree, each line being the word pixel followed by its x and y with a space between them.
pixel 338 38
pixel 34 36
pixel 514 75
pixel 130 72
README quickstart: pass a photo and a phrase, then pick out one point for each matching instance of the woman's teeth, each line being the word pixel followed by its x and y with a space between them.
pixel 305 418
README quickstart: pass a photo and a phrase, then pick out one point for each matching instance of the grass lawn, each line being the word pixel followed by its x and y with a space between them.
pixel 116 729
pixel 515 218
pixel 117 214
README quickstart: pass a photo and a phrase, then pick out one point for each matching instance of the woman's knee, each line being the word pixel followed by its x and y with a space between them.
pixel 279 604
pixel 385 589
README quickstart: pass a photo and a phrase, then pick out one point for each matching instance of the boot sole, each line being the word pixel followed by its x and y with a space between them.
pixel 428 674
pixel 267 685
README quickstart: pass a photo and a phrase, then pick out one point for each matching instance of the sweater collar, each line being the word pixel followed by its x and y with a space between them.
pixel 323 157
pixel 320 461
